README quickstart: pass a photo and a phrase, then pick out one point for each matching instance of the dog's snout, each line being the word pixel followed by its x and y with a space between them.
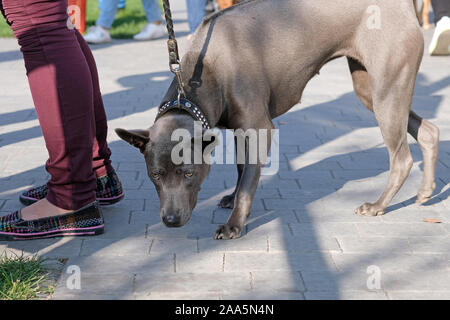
pixel 171 220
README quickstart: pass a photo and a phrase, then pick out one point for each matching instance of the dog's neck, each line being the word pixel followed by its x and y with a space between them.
pixel 204 97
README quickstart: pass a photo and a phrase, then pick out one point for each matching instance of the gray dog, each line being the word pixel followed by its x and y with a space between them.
pixel 250 63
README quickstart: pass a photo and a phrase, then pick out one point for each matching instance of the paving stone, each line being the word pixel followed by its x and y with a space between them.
pixel 329 281
pixel 261 216
pixel 204 262
pixel 345 295
pixel 243 244
pixel 270 283
pixel 277 261
pixel 265 295
pixel 325 229
pixel 303 244
pixel 389 262
pixel 306 194
pixel 94 264
pixel 130 246
pixel 438 280
pixel 430 244
pixel 328 216
pixel 413 214
pixel 175 246
pixel 120 231
pixel 179 296
pixel 419 295
pixel 49 248
pixel 78 295
pixel 98 284
pixel 353 244
pixel 197 227
pixel 286 204
pixel 192 282
pixel 405 229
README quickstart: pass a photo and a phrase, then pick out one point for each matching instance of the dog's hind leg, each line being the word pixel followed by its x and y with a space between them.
pixel 391 108
pixel 426 134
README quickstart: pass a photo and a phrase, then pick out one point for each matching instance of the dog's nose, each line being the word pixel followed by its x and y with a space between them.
pixel 171 220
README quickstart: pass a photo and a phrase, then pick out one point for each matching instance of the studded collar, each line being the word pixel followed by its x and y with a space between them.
pixel 187 106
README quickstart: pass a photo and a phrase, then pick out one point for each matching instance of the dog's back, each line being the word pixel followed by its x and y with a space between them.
pixel 284 43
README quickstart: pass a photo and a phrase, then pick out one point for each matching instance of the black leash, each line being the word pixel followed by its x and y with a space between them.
pixel 172 46
pixel 175 67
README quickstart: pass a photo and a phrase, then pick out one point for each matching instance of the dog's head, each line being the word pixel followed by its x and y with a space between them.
pixel 177 183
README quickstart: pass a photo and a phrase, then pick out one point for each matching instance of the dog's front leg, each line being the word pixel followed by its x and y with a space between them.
pixel 242 203
pixel 228 200
pixel 247 183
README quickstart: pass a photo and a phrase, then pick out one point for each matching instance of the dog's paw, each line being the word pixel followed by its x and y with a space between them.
pixel 369 210
pixel 226 232
pixel 227 202
pixel 425 194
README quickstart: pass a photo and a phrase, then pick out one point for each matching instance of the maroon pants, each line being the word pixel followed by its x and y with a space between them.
pixel 64 84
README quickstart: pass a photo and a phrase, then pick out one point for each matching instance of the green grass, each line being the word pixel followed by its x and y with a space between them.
pixel 23 278
pixel 5 31
pixel 128 22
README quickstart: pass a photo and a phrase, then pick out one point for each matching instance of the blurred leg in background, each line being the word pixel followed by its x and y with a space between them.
pixel 195 12
pixel 154 28
pixel 108 9
pixel 100 32
pixel 440 44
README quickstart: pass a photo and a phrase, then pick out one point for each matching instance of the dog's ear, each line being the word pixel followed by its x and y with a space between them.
pixel 137 138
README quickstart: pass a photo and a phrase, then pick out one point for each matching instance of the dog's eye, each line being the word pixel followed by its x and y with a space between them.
pixel 188 174
pixel 155 175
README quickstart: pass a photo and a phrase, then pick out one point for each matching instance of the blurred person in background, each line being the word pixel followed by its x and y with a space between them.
pixel 108 9
pixel 440 43
pixel 122 4
pixel 196 12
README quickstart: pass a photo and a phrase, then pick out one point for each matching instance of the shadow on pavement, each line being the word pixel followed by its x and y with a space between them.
pixel 284 210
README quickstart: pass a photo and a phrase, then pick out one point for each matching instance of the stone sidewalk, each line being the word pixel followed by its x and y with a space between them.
pixel 302 240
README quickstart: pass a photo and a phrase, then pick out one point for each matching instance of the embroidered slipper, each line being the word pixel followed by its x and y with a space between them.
pixel 87 221
pixel 109 191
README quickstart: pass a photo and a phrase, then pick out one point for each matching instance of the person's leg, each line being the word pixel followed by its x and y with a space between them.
pixel 62 90
pixel 122 4
pixel 153 29
pixel 196 12
pixel 100 32
pixel 108 10
pixel 152 11
pixel 109 188
pixel 101 163
pixel 441 8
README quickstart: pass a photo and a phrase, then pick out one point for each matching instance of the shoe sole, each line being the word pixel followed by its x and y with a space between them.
pixel 102 201
pixel 442 47
pixel 91 231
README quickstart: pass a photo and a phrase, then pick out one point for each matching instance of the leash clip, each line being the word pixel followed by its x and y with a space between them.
pixel 175 68
pixel 179 98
